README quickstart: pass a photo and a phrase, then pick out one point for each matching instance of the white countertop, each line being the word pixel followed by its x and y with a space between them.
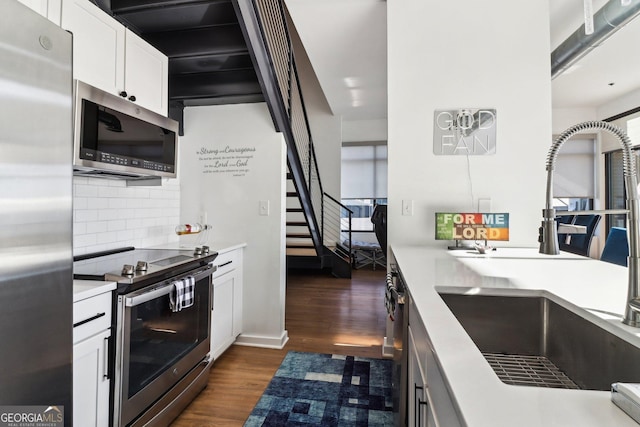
pixel 83 289
pixel 215 245
pixel 482 398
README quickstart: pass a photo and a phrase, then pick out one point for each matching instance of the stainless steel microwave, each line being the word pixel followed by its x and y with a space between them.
pixel 115 138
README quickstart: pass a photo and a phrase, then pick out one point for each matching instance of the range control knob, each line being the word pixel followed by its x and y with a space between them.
pixel 127 270
pixel 197 251
pixel 205 250
pixel 141 266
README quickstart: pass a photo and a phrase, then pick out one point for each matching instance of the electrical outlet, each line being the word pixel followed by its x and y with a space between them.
pixel 407 207
pixel 264 207
pixel 484 205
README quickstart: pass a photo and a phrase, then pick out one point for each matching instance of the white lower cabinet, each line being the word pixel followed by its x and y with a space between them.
pixel 91 334
pixel 226 318
pixel 417 393
pixel 428 400
pixel 90 381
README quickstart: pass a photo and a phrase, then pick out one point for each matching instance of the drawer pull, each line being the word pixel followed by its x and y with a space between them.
pixel 226 263
pixel 105 361
pixel 90 319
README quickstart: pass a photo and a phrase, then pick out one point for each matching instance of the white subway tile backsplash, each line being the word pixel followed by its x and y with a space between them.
pixel 96 203
pixel 85 215
pixel 119 203
pixel 84 190
pixel 109 191
pixel 79 228
pixel 81 203
pixel 108 214
pixel 117 225
pixel 107 237
pixel 96 227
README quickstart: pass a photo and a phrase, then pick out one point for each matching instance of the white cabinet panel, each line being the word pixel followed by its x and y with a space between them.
pixel 146 74
pixel 90 381
pixel 226 318
pixel 222 335
pixel 47 8
pixel 39 6
pixel 91 333
pixel 98 45
pixel 114 59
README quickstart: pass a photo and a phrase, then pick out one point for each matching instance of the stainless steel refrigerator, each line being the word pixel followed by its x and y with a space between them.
pixel 36 282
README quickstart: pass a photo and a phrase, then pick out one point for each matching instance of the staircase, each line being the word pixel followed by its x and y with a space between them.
pixel 317 223
pixel 301 252
pixel 299 241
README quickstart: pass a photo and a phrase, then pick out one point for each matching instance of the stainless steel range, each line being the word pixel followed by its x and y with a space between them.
pixel 161 359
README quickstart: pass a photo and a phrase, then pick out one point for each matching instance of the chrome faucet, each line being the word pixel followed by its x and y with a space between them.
pixel 549 233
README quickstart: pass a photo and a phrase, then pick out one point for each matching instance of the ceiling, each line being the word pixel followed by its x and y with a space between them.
pixel 353 49
pixel 603 75
pixel 210 63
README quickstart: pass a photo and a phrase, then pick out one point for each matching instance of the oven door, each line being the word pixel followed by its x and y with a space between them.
pixel 157 346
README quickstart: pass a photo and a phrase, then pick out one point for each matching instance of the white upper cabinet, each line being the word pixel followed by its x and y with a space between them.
pixel 146 74
pixel 112 58
pixel 98 45
pixel 47 8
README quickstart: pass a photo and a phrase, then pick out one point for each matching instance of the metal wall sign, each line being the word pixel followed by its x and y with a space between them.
pixel 464 131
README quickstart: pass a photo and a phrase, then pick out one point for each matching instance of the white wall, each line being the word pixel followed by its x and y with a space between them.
pixel 489 54
pixel 564 118
pixel 364 130
pixel 230 198
pixel 620 105
pixel 107 214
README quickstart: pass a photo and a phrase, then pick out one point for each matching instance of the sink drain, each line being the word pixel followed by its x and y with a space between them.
pixel 537 371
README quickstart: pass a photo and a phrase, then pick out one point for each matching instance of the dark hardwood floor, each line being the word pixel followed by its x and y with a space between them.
pixel 323 315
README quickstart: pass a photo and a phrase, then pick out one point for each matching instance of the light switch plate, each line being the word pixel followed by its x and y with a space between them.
pixel 264 207
pixel 407 207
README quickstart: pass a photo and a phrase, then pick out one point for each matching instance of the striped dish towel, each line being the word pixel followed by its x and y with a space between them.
pixel 176 296
pixel 189 293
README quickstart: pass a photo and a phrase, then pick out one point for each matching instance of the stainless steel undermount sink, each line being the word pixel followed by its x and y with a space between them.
pixel 532 340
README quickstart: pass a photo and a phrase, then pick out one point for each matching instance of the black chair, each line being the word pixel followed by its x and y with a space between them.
pixel 580 244
pixel 616 248
pixel 379 220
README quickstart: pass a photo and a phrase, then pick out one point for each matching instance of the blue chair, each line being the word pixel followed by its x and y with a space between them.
pixel 616 247
pixel 581 243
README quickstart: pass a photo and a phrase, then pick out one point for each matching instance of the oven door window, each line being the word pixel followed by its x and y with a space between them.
pixel 159 337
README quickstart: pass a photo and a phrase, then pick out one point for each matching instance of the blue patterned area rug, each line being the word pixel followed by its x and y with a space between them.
pixel 311 389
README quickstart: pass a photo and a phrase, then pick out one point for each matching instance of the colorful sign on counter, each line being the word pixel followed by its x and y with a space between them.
pixel 472 226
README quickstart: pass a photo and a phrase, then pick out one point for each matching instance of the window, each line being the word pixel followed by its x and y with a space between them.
pixel 364 181
pixel 614 176
pixel 573 180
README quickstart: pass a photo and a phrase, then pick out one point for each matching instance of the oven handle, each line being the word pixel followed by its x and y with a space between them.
pixel 164 290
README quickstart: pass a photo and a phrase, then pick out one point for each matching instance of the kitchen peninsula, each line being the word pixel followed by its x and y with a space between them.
pixel 461 388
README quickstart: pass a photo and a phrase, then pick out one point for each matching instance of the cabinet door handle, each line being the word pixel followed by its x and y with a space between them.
pixel 90 319
pixel 105 358
pixel 123 94
pixel 132 98
pixel 419 408
pixel 416 409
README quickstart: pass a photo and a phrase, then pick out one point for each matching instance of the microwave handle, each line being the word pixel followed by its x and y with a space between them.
pixel 164 290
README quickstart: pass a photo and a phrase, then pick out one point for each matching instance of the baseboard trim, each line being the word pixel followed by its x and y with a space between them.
pixel 264 341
